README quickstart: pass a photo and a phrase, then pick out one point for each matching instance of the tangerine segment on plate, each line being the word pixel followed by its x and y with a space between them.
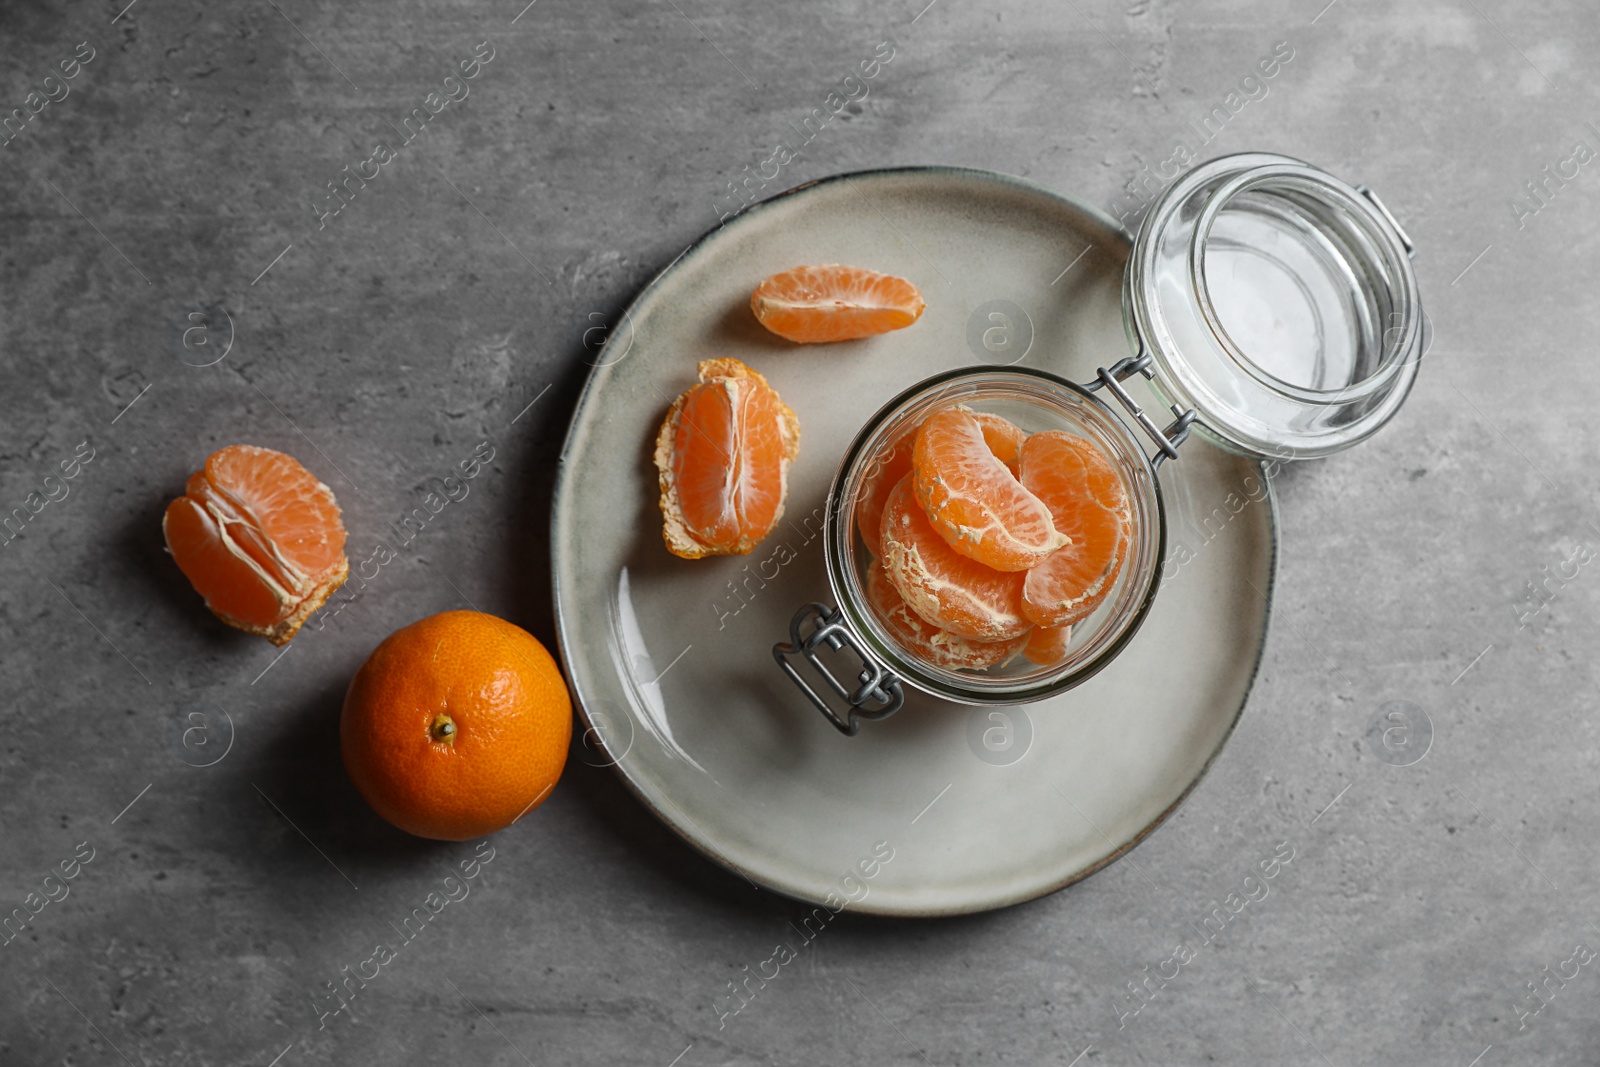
pixel 1089 502
pixel 1047 645
pixel 921 638
pixel 892 463
pixel 949 591
pixel 834 303
pixel 974 500
pixel 260 538
pixel 723 455
pixel 456 726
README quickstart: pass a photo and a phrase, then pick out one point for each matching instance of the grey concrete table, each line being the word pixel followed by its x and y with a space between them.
pixel 173 195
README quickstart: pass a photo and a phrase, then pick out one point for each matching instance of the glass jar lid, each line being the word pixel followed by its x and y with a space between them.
pixel 1279 303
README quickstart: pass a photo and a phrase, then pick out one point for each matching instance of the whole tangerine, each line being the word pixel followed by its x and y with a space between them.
pixel 456 726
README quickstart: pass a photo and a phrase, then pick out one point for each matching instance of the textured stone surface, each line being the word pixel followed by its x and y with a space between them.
pixel 454 290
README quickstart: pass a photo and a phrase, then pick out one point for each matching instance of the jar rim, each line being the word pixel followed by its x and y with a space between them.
pixel 1330 189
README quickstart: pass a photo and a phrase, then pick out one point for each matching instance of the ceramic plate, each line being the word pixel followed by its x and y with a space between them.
pixel 942 809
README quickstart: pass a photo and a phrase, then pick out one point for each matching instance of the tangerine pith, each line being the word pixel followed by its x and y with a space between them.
pixel 949 590
pixel 940 647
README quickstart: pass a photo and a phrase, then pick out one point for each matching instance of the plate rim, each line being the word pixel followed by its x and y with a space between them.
pixel 561 622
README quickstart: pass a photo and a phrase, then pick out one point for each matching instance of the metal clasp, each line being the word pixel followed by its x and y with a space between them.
pixel 1383 209
pixel 878 694
pixel 1166 440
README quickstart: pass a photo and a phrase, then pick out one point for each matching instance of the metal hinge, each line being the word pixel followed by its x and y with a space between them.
pixel 1383 209
pixel 1166 440
pixel 878 693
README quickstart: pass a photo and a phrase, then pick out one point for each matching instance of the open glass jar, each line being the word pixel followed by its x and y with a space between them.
pixel 1273 309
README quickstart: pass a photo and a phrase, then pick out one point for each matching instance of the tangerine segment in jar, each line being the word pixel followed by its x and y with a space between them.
pixel 1003 437
pixel 923 639
pixel 888 466
pixel 948 590
pixel 723 456
pixel 893 462
pixel 1047 646
pixel 260 538
pixel 974 501
pixel 834 303
pixel 456 726
pixel 1088 502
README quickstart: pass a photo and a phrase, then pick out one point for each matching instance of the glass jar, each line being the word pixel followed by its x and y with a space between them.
pixel 1273 309
pixel 1279 303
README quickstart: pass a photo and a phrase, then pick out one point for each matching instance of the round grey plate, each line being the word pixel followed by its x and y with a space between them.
pixel 670 660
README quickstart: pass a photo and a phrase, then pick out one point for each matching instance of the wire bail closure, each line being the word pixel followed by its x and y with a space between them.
pixel 876 691
pixel 879 693
pixel 1166 440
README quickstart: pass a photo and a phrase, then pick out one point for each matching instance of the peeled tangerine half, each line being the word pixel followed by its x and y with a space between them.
pixel 945 588
pixel 834 303
pixel 928 641
pixel 260 538
pixel 723 455
pixel 1089 503
pixel 974 500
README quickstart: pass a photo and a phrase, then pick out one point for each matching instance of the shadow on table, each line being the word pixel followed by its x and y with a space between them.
pixel 533 459
pixel 299 784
